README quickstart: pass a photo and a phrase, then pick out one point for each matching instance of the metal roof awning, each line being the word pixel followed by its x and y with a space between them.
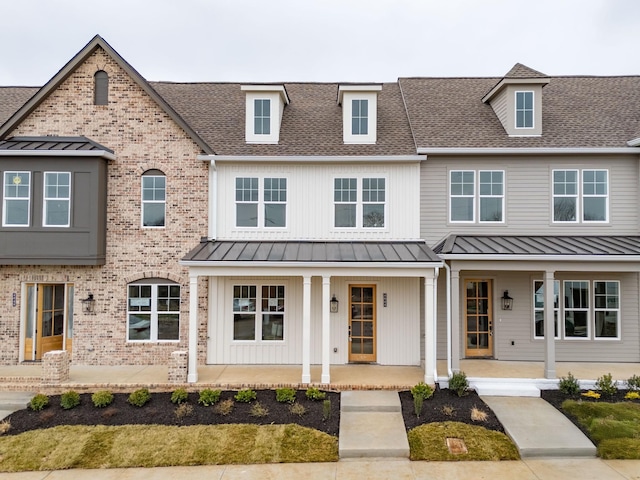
pixel 54 147
pixel 311 253
pixel 540 247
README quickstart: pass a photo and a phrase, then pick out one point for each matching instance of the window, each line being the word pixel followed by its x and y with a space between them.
pixel 274 200
pixel 359 117
pixel 607 309
pixel 524 109
pixel 258 312
pixel 566 196
pixel 57 199
pixel 17 197
pixel 368 211
pixel 101 88
pixel 153 311
pixel 490 198
pixel 262 116
pixel 538 307
pixel 576 309
pixel 153 199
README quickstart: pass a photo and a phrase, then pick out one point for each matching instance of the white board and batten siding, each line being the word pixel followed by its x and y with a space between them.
pixel 398 324
pixel 310 203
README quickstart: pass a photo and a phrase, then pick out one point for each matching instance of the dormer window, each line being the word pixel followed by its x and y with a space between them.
pixel 264 108
pixel 359 112
pixel 524 110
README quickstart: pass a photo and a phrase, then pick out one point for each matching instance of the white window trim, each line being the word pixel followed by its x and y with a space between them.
pixel 452 196
pixel 618 310
pixel 45 199
pixel 533 110
pixel 480 196
pixel 589 309
pixel 153 334
pixel 5 198
pixel 557 311
pixel 584 196
pixel 277 97
pixel 143 202
pixel 576 196
pixel 261 205
pixel 258 312
pixel 360 204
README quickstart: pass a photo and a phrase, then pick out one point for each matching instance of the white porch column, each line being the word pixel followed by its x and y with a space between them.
pixel 306 329
pixel 192 371
pixel 326 329
pixel 429 332
pixel 549 327
pixel 455 320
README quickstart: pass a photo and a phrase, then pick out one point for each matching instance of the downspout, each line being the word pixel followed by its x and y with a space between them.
pixel 448 302
pixel 213 199
pixel 436 271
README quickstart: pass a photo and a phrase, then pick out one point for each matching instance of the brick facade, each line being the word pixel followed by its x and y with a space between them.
pixel 143 137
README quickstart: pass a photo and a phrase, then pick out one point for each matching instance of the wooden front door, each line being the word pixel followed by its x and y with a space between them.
pixel 362 323
pixel 478 318
pixel 49 310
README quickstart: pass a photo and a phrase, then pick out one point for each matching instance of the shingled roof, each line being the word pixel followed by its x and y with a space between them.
pixel 12 98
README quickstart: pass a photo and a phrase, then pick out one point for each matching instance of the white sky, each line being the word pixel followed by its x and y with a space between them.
pixel 323 40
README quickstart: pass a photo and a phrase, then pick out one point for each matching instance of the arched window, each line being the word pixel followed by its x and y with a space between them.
pixel 101 88
pixel 153 198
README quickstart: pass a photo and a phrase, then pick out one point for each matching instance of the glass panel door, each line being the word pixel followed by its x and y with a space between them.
pixel 362 323
pixel 478 318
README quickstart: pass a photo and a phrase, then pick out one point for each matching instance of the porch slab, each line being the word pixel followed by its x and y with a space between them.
pixel 370 401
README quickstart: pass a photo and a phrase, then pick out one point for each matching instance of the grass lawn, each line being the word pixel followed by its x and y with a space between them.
pixel 428 442
pixel 613 427
pixel 103 446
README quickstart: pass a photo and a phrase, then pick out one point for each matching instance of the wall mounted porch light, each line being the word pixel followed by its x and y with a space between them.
pixel 89 304
pixel 507 301
pixel 333 304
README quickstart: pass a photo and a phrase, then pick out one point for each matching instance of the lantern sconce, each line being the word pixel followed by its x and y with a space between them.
pixel 507 301
pixel 334 304
pixel 89 304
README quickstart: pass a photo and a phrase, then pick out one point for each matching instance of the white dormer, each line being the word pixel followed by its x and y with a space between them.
pixel 517 101
pixel 264 108
pixel 359 112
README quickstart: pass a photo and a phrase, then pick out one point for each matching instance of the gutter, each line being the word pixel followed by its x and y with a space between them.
pixel 543 258
pixel 532 151
pixel 309 264
pixel 313 158
pixel 634 143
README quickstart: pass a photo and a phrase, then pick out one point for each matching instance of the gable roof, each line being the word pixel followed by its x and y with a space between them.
pixel 12 98
pixel 522 71
pixel 95 43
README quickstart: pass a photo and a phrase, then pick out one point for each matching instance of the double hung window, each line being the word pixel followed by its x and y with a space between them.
pixel 524 110
pixel 359 203
pixel 153 199
pixel 57 199
pixel 262 116
pixel 153 312
pixel 489 198
pixel 17 199
pixel 258 312
pixel 538 308
pixel 261 204
pixel 590 203
pixel 359 117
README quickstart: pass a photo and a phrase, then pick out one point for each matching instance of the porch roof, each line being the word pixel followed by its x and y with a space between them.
pixel 313 252
pixel 618 247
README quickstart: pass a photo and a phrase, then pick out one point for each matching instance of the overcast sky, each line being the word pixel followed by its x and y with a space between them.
pixel 323 40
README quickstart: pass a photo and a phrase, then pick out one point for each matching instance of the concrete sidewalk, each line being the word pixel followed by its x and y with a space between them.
pixel 372 469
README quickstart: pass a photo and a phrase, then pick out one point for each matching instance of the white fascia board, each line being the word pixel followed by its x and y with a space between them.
pixel 58 153
pixel 634 143
pixel 527 151
pixel 315 158
pixel 382 268
pixel 543 258
pixel 357 88
pixel 267 88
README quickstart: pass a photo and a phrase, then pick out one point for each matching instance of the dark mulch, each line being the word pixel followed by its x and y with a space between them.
pixel 160 411
pixel 446 406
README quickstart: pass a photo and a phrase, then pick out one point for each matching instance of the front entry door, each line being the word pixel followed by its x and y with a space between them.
pixel 478 318
pixel 362 323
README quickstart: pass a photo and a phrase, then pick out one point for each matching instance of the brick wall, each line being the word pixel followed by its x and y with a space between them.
pixel 143 137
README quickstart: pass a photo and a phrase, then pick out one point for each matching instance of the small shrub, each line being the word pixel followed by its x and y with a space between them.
pixel 632 395
pixel 606 385
pixel 326 410
pixel 140 397
pixel 183 410
pixel 258 410
pixel 179 395
pixel 69 399
pixel 569 385
pixel 208 397
pixel 5 426
pixel 297 409
pixel 478 415
pixel 315 394
pixel 633 383
pixel 102 398
pixel 418 400
pixel 245 395
pixel 422 390
pixel 448 410
pixel 285 395
pixel 225 407
pixel 458 383
pixel 38 402
pixel 591 394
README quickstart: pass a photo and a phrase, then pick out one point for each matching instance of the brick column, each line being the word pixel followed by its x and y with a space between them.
pixel 178 367
pixel 55 367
